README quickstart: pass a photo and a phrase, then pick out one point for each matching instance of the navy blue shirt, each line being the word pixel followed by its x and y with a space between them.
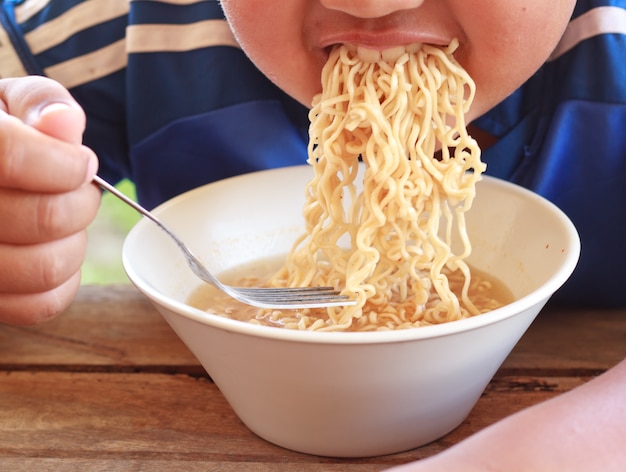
pixel 563 135
pixel 173 103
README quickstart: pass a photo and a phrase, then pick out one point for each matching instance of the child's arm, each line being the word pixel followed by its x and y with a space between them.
pixel 581 430
pixel 46 199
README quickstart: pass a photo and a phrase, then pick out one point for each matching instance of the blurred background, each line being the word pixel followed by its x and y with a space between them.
pixel 106 236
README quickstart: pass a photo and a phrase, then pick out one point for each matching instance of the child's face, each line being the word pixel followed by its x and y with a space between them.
pixel 502 42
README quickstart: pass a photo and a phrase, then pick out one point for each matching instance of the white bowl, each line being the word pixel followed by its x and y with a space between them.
pixel 346 394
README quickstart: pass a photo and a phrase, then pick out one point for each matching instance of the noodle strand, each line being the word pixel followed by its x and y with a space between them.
pixel 389 246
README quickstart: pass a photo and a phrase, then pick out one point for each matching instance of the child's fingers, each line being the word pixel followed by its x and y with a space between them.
pixel 33 161
pixel 33 308
pixel 37 218
pixel 38 268
pixel 41 129
pixel 45 105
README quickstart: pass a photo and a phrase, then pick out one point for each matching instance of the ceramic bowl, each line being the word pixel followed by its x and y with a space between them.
pixel 346 394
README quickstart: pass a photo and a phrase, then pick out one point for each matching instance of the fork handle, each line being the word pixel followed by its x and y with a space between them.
pixel 103 184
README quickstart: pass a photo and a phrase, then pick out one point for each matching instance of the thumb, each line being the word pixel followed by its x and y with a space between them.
pixel 60 120
pixel 45 105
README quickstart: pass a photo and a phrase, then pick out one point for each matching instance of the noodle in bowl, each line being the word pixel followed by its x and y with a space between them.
pixel 346 394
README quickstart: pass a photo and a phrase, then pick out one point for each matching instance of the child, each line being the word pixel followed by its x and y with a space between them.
pixel 172 103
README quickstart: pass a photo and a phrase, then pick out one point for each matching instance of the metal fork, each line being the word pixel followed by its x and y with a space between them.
pixel 293 298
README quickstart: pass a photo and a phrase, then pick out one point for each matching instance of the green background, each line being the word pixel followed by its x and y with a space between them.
pixel 103 264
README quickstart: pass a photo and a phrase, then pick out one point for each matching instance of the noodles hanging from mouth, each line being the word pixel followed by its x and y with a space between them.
pixel 389 246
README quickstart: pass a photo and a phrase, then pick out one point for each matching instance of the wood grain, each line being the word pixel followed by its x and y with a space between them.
pixel 146 416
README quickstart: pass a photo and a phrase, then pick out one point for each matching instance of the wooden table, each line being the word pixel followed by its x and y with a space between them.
pixel 108 386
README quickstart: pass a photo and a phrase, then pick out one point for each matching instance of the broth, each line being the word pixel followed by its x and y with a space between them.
pixel 486 292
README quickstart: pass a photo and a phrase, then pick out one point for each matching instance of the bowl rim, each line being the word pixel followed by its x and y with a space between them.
pixel 537 297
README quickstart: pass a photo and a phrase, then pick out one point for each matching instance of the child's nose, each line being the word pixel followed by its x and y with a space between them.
pixel 370 8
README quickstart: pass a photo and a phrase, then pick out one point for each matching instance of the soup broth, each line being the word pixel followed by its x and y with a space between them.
pixel 486 292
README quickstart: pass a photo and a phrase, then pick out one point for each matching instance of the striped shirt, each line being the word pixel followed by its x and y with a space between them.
pixel 173 103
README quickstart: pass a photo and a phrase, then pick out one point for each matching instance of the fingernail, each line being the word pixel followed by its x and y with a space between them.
pixel 92 168
pixel 52 107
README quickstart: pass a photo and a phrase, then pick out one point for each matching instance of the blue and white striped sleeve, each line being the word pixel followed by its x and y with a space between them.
pixel 172 102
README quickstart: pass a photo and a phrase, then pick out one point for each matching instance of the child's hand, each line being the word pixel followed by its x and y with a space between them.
pixel 46 198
